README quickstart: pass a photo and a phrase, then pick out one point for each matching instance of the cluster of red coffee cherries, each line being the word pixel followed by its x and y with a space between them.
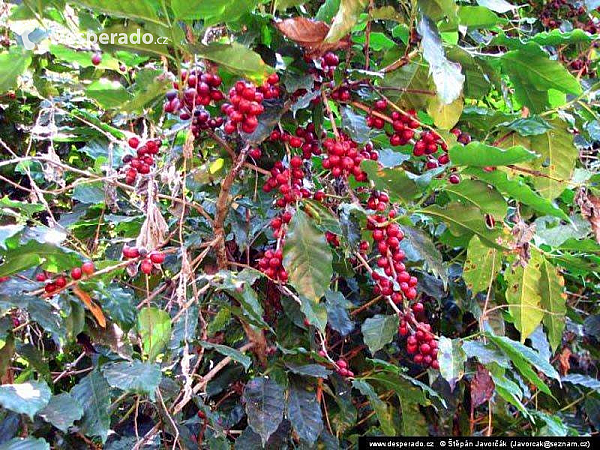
pixel 378 201
pixel 54 284
pixel 344 157
pixel 304 138
pixel 288 181
pixel 201 89
pixel 271 265
pixel 144 159
pixel 270 88
pixel 329 61
pixel 151 259
pixel 421 343
pixel 387 236
pixel 341 366
pixel 461 137
pixel 244 108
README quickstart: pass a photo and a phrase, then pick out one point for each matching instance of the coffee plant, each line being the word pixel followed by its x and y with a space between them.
pixel 292 223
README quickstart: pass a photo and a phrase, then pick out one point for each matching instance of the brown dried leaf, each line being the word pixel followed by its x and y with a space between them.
pixel 482 387
pixel 309 34
pixel 563 359
pixel 590 210
pixel 87 301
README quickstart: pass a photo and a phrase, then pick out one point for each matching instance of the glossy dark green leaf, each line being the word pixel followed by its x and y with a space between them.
pixel 265 403
pixel 305 414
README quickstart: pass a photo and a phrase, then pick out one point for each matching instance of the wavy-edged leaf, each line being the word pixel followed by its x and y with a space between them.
pixel 337 312
pixel 235 58
pixel 305 414
pixel 154 326
pixel 25 398
pixel 25 444
pixel 523 295
pixel 133 376
pixel 582 380
pixel 309 370
pixel 446 74
pixel 478 154
pixel 418 245
pixel 93 392
pixel 482 195
pixel 12 64
pixel 233 353
pixel 344 20
pixel 307 258
pixel 482 265
pixel 62 411
pixel 553 300
pixel 516 188
pixel 395 181
pixel 265 403
pixel 523 358
pixel 118 8
pixel 460 219
pixel 380 407
pixel 378 331
pixel 533 73
pixel 452 360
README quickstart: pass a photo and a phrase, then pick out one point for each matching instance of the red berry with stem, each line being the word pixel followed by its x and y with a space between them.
pixel 96 59
pixel 76 273
pixel 88 268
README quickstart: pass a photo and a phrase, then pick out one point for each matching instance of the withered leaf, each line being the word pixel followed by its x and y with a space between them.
pixel 309 34
pixel 482 387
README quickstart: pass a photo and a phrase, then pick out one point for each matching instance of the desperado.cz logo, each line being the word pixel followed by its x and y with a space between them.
pixel 113 38
pixel 121 38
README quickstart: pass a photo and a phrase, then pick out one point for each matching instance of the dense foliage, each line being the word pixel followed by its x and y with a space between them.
pixel 292 223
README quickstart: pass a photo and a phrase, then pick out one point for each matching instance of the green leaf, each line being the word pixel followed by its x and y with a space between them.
pixel 394 181
pixel 347 15
pixel 445 116
pixel 545 38
pixel 475 17
pixel 8 231
pixel 480 194
pixel 500 6
pixel 461 219
pixel 485 353
pixel 516 188
pixel 154 326
pixel 439 9
pixel 12 64
pixel 418 245
pixel 233 353
pixel 482 265
pixel 25 398
pixel 282 5
pixel 452 360
pixel 413 421
pixel 337 312
pixel 446 74
pixel 309 370
pixel 307 258
pixel 582 380
pixel 235 58
pixel 528 126
pixel 523 295
pixel 380 407
pixel 533 73
pixel 198 9
pixel 25 444
pixel 553 300
pixel 264 402
pixel 559 156
pixel 133 376
pixel 93 392
pixel 407 85
pixel 379 331
pixel 52 258
pixel 89 193
pixel 116 8
pixel 305 414
pixel 109 94
pixel 62 411
pixel 523 358
pixel 478 154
